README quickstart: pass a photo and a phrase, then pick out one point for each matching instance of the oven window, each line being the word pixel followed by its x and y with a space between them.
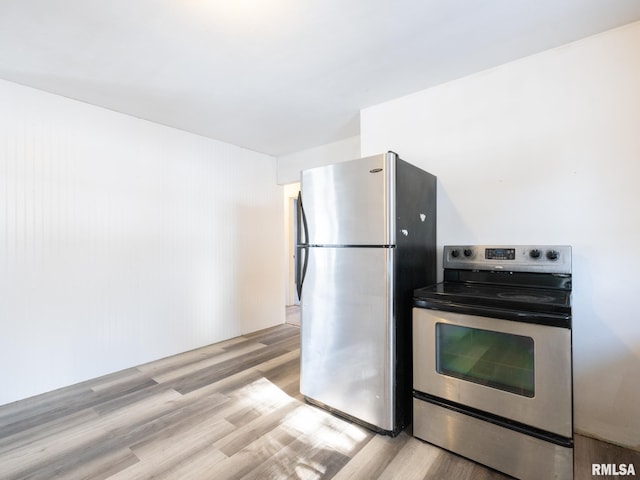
pixel 498 360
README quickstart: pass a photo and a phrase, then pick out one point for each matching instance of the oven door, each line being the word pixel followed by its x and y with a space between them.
pixel 515 370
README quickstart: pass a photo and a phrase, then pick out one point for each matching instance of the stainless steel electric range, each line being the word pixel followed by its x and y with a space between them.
pixel 492 363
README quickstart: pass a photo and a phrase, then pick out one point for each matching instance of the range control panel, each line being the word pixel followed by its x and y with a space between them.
pixel 515 258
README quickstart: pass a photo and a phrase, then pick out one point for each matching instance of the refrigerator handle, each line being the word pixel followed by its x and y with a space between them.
pixel 301 247
pixel 301 268
pixel 297 272
pixel 302 221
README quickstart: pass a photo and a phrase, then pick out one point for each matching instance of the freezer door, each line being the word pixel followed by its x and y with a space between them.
pixel 347 334
pixel 351 203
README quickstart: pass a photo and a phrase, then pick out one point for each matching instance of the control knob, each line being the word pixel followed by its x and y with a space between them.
pixel 468 252
pixel 455 253
pixel 534 253
pixel 552 254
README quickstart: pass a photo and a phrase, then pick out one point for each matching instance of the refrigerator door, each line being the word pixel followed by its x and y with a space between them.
pixel 351 203
pixel 348 343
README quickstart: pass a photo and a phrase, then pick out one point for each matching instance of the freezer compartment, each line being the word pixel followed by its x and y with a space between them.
pixel 347 333
pixel 350 203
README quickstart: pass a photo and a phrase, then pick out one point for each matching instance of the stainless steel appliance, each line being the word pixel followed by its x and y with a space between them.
pixel 367 241
pixel 492 360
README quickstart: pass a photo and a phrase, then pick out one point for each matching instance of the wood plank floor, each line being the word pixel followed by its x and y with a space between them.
pixel 226 411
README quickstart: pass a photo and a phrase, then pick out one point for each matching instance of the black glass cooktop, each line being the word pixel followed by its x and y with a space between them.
pixel 516 298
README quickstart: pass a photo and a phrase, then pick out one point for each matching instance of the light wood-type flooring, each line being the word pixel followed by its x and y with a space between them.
pixel 226 411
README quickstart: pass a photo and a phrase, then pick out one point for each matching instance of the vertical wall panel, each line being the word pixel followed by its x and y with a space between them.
pixel 122 241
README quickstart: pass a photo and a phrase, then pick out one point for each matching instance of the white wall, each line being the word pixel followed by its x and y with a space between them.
pixel 123 241
pixel 289 166
pixel 547 150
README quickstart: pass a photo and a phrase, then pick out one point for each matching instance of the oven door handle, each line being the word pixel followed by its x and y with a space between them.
pixel 540 318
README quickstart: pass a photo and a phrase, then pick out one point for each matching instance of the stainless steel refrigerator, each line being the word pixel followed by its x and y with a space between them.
pixel 366 240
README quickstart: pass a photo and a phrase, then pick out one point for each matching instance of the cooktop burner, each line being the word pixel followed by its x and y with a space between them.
pixel 526 297
pixel 533 299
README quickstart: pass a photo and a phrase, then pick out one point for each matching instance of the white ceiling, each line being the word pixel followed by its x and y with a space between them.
pixel 275 76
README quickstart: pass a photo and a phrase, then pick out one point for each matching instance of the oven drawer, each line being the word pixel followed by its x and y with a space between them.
pixel 515 370
pixel 515 453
